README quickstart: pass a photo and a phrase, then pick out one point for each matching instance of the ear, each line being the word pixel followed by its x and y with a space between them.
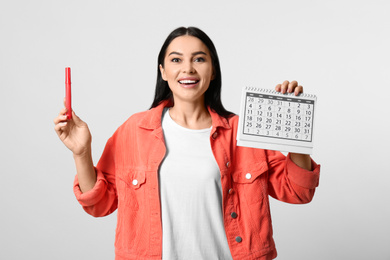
pixel 162 72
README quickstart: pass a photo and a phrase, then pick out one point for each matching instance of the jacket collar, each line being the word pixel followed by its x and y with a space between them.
pixel 217 120
pixel 152 118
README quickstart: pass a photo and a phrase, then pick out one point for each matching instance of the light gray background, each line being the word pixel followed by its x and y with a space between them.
pixel 338 50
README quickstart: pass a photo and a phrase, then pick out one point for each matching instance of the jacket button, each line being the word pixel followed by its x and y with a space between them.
pixel 233 215
pixel 230 191
pixel 135 182
pixel 248 176
pixel 215 135
pixel 238 239
pixel 228 164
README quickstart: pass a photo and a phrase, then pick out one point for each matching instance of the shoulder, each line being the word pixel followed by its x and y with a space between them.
pixel 233 120
pixel 129 130
pixel 149 119
pixel 132 119
pixel 137 119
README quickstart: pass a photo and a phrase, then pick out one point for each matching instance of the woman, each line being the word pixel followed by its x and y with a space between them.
pixel 182 187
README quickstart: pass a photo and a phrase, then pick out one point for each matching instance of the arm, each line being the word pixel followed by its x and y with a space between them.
pixel 289 182
pixel 94 189
pixel 85 171
pixel 302 160
pixel 75 134
pixel 292 179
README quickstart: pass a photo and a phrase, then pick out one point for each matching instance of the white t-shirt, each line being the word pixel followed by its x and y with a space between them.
pixel 191 196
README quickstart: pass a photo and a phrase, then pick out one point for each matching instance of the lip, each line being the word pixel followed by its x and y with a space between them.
pixel 186 85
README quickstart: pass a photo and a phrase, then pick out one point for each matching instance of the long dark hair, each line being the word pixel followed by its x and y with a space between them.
pixel 212 96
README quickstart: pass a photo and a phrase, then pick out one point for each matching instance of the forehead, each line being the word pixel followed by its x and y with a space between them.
pixel 186 45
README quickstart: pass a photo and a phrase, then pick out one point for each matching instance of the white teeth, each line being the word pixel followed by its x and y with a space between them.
pixel 187 81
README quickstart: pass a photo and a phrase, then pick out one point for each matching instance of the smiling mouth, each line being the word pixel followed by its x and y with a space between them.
pixel 188 82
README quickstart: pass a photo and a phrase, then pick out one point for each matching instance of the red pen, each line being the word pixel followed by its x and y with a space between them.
pixel 68 93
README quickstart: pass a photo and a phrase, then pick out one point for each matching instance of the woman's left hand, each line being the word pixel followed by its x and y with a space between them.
pixel 289 87
pixel 302 160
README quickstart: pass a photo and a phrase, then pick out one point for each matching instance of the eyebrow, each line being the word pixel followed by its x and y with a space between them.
pixel 193 54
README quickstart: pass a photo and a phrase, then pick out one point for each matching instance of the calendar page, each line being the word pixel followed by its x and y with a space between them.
pixel 275 121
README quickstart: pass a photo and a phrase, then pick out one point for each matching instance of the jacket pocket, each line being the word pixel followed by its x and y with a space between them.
pixel 251 181
pixel 130 188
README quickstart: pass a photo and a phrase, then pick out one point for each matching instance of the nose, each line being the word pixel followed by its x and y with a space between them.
pixel 188 67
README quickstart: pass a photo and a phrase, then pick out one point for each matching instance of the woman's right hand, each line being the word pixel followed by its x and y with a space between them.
pixel 74 133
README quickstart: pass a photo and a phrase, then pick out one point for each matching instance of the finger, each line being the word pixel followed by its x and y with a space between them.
pixel 292 85
pixel 60 128
pixel 278 87
pixel 298 90
pixel 284 86
pixel 59 119
pixel 77 120
pixel 63 111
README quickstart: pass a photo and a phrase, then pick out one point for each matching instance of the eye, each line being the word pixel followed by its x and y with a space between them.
pixel 200 59
pixel 175 60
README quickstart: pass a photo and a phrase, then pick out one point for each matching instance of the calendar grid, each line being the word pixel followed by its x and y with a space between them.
pixel 278 117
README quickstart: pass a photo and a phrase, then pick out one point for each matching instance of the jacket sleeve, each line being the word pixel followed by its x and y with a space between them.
pixel 288 182
pixel 101 200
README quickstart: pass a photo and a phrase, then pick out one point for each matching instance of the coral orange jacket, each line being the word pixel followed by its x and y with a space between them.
pixel 127 180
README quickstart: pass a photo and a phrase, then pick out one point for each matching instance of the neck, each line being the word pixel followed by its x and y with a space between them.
pixel 191 115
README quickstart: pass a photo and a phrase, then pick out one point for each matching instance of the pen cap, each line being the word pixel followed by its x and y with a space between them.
pixel 67 75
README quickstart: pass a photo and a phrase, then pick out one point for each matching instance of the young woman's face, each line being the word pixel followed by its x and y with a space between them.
pixel 187 68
